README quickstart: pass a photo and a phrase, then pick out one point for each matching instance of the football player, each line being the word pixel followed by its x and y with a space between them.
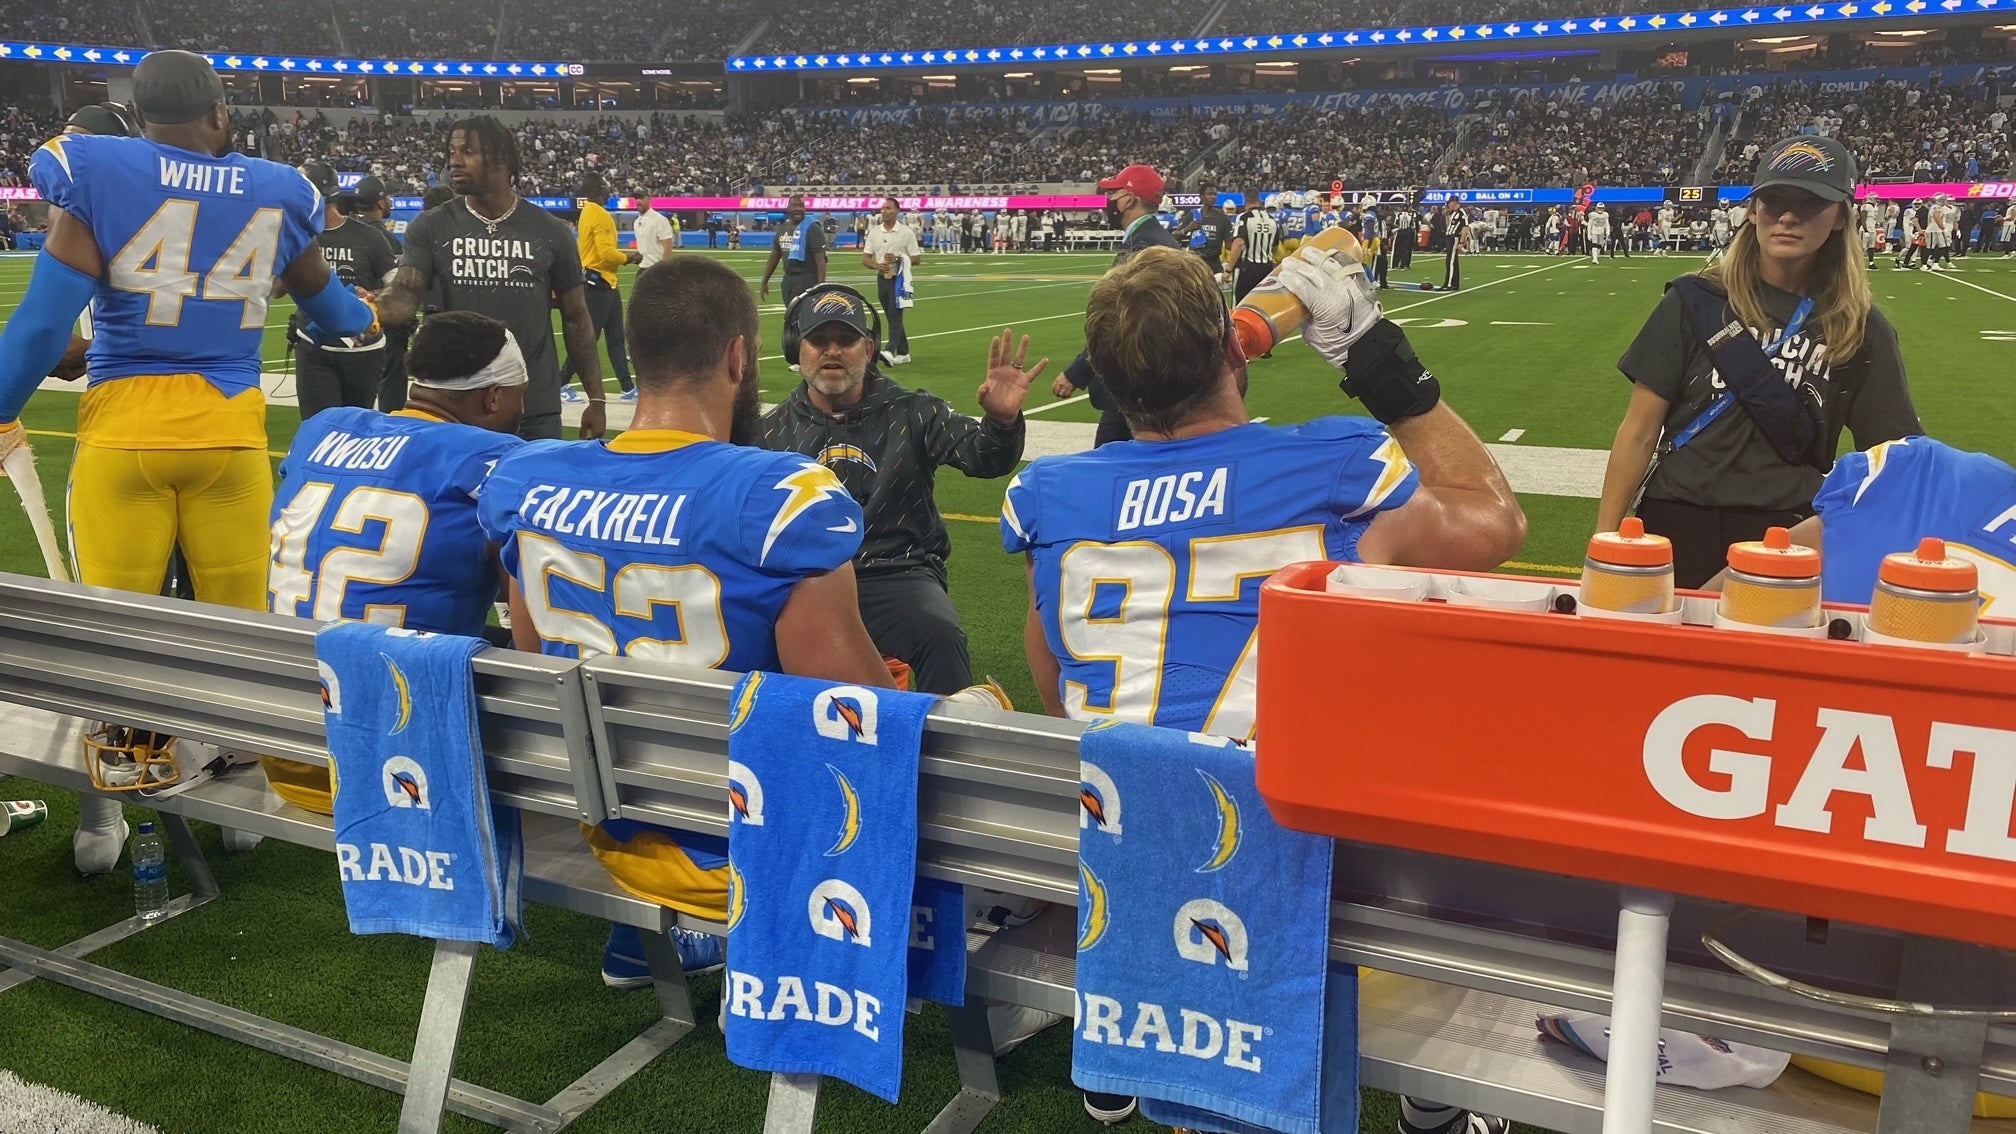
pixel 175 241
pixel 673 542
pixel 1145 558
pixel 375 518
pixel 1885 499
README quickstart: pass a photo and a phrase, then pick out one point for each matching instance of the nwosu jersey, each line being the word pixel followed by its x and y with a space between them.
pixel 665 545
pixel 192 244
pixel 375 519
pixel 1885 500
pixel 1148 557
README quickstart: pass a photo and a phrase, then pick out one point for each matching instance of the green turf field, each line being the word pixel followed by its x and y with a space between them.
pixel 1526 353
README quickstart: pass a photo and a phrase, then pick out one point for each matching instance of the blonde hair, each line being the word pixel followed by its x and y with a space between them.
pixel 1838 285
pixel 1155 330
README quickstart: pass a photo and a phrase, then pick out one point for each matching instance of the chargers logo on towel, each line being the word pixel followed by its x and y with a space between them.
pixel 1228 825
pixel 1098 799
pixel 840 912
pixel 738 897
pixel 850 821
pixel 1094 916
pixel 332 691
pixel 845 712
pixel 405 696
pixel 1207 932
pixel 406 783
pixel 833 454
pixel 745 792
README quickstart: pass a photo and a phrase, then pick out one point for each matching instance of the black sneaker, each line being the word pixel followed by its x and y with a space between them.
pixel 1109 1109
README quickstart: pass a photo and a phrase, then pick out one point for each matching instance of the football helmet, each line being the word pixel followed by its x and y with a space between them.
pixel 123 758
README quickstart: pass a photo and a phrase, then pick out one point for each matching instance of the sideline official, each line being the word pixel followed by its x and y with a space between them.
pixel 886 444
pixel 1252 248
pixel 1132 196
pixel 1455 230
pixel 347 371
pixel 890 249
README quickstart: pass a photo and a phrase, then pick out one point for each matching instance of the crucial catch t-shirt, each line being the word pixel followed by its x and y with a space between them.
pixel 509 274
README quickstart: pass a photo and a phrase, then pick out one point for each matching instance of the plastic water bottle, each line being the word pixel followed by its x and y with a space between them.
pixel 150 873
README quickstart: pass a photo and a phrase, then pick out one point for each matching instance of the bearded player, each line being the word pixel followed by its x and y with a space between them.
pixel 672 542
pixel 1146 557
pixel 176 242
pixel 375 519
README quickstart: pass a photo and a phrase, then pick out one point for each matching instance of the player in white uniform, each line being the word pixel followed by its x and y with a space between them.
pixel 1718 234
pixel 1597 229
pixel 1910 238
pixel 1553 232
pixel 1872 228
pixel 1667 219
pixel 2008 232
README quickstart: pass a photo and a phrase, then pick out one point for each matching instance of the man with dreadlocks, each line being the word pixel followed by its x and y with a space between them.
pixel 493 254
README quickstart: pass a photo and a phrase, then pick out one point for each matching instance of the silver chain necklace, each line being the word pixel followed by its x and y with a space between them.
pixel 487 222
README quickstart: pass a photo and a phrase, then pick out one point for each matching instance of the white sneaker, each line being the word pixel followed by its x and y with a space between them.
pixel 1011 1024
pixel 97 852
pixel 900 360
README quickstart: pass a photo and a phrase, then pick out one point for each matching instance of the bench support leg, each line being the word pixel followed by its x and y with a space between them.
pixel 676 1020
pixel 202 888
pixel 979 1084
pixel 440 1034
pixel 1637 991
pixel 1934 1064
pixel 794 1103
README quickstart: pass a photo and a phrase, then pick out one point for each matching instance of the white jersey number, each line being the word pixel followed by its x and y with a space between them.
pixel 155 263
pixel 290 581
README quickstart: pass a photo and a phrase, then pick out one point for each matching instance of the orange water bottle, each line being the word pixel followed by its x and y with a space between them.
pixel 1772 583
pixel 1628 571
pixel 1926 596
pixel 1270 313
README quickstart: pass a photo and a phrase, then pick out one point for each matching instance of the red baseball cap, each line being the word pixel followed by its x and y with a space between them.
pixel 1140 180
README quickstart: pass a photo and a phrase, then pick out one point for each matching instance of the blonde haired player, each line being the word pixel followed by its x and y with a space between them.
pixel 176 242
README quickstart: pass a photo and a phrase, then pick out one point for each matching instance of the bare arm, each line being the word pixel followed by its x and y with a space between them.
pixel 819 632
pixel 579 331
pixel 400 302
pixel 308 274
pixel 523 636
pixel 1630 455
pixel 820 256
pixel 1463 517
pixel 770 267
pixel 1043 667
pixel 666 247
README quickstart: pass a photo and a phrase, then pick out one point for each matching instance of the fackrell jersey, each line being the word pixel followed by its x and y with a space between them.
pixel 375 519
pixel 192 245
pixel 665 545
pixel 1885 500
pixel 1148 557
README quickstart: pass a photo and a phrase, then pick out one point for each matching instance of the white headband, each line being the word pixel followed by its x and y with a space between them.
pixel 507 369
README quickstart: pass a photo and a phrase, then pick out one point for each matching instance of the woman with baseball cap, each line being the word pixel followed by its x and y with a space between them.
pixel 1729 433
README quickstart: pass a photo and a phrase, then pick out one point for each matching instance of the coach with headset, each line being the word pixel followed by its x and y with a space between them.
pixel 886 443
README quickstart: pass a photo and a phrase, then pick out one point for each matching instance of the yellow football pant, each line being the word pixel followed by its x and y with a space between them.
pixel 130 507
pixel 655 868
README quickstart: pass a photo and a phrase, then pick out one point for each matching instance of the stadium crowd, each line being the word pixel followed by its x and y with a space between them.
pixel 1900 131
pixel 1545 143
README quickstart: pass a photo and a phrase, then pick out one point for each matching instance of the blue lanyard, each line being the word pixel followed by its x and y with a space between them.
pixel 1721 404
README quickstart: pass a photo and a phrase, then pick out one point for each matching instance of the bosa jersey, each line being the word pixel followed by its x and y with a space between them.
pixel 665 545
pixel 375 520
pixel 1148 557
pixel 1885 500
pixel 192 245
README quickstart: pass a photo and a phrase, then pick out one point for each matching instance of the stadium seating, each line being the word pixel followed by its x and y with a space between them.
pixel 1898 132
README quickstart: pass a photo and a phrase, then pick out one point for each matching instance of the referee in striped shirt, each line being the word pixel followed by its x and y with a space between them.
pixel 1252 249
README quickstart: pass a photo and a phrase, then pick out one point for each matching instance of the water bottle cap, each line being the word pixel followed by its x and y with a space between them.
pixel 146 828
pixel 1775 556
pixel 1630 546
pixel 1929 569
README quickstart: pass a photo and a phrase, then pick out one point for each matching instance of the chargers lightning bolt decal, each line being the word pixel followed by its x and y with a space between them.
pixel 1228 826
pixel 850 823
pixel 405 695
pixel 807 486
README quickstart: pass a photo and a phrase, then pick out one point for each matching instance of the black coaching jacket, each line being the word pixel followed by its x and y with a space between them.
pixel 887 449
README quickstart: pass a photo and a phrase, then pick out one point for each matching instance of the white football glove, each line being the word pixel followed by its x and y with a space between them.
pixel 12 437
pixel 1342 302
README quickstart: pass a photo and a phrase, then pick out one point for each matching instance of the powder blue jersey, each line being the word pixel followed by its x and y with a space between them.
pixel 665 545
pixel 375 519
pixel 1885 500
pixel 1148 556
pixel 192 245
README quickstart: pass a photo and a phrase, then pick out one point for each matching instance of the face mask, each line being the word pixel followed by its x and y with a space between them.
pixel 1112 214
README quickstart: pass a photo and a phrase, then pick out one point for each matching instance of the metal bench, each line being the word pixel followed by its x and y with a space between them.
pixel 1475 949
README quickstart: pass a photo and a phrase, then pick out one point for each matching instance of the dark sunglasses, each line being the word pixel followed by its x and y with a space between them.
pixel 1777 201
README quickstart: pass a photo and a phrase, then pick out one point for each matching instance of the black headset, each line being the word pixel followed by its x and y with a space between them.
pixel 794 334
